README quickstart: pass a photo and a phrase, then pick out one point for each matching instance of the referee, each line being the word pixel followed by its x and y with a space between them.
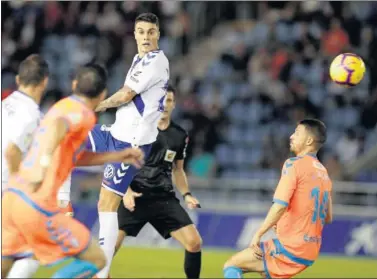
pixel 155 201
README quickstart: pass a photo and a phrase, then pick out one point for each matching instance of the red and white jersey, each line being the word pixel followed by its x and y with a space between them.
pixel 136 122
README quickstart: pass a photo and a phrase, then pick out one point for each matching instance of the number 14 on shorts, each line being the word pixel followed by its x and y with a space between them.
pixel 320 206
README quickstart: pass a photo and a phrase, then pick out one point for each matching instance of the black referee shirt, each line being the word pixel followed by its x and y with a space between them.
pixel 155 177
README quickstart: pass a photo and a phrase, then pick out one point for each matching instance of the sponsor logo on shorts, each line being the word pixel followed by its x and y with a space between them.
pixel 170 155
pixel 109 171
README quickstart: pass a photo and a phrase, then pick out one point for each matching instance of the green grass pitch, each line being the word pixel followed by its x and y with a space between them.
pixel 168 263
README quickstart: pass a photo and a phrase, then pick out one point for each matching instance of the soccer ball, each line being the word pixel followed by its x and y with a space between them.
pixel 347 69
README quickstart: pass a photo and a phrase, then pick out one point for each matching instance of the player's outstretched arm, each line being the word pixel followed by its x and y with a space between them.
pixel 122 96
pixel 50 138
pixel 149 74
pixel 134 156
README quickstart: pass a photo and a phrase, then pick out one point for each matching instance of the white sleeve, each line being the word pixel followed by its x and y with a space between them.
pixel 148 74
pixel 22 133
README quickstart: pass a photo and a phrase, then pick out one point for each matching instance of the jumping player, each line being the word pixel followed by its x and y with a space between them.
pixel 156 202
pixel 32 223
pixel 302 205
pixel 140 104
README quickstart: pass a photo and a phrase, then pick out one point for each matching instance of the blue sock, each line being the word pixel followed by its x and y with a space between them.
pixel 233 272
pixel 77 269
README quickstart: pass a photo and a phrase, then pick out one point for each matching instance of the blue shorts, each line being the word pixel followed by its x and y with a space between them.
pixel 116 176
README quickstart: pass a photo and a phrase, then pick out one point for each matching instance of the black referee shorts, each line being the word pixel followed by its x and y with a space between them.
pixel 166 215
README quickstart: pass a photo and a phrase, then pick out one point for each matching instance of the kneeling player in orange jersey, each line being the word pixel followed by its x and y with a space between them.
pixel 32 223
pixel 302 205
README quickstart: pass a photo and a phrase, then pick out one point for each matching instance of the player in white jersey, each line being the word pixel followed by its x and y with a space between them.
pixel 140 105
pixel 20 118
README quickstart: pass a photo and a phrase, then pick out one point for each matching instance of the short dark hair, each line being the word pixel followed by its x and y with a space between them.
pixel 317 128
pixel 91 80
pixel 33 70
pixel 171 89
pixel 148 17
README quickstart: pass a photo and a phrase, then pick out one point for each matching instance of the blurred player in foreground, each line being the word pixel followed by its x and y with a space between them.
pixel 22 117
pixel 140 104
pixel 302 205
pixel 156 202
pixel 32 224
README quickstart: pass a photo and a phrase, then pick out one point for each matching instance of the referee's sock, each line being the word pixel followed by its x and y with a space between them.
pixel 193 264
pixel 24 268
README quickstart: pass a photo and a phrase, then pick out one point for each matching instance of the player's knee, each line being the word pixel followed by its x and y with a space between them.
pixel 108 201
pixel 194 243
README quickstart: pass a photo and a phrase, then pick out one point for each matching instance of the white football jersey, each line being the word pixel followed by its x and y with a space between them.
pixel 20 118
pixel 136 122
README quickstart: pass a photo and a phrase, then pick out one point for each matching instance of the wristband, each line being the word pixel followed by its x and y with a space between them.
pixel 186 194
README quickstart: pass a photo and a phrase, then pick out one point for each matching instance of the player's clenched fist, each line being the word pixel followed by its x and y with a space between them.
pixel 134 156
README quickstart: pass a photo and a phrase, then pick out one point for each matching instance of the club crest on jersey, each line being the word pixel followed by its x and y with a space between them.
pixel 170 155
pixel 109 171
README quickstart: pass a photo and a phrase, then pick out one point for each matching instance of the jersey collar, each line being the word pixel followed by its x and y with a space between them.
pixel 164 129
pixel 313 155
pixel 77 99
pixel 27 98
pixel 138 58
